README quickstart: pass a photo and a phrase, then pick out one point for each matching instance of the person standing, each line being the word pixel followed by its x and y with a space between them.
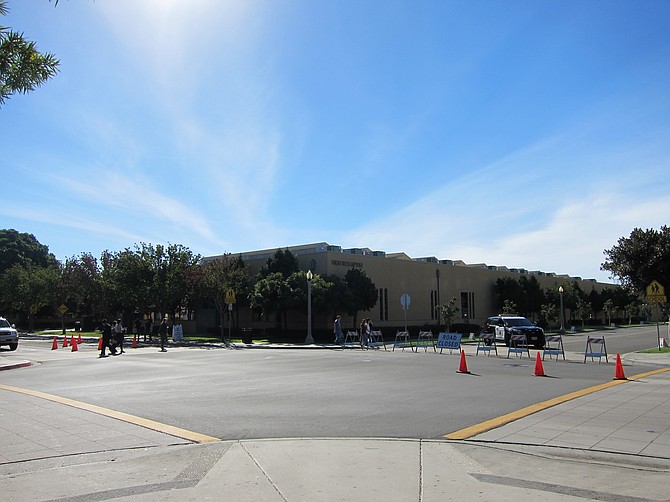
pixel 149 329
pixel 364 329
pixel 118 334
pixel 106 337
pixel 163 332
pixel 337 330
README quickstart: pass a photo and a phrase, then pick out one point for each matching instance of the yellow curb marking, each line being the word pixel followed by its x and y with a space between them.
pixel 196 437
pixel 479 428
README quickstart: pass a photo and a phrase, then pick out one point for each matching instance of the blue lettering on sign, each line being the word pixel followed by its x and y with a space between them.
pixel 449 341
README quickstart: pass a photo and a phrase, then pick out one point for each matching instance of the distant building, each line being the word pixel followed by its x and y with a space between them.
pixel 428 281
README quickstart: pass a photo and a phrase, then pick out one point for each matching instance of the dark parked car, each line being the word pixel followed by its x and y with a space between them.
pixel 503 326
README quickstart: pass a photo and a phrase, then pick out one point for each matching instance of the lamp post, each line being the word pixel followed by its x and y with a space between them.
pixel 309 338
pixel 437 300
pixel 561 314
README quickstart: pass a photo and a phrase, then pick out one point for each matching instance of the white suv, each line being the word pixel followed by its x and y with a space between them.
pixel 8 334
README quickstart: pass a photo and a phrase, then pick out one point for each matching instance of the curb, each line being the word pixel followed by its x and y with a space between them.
pixel 22 364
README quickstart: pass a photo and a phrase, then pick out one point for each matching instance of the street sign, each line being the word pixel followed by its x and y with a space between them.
pixel 62 309
pixel 230 297
pixel 405 300
pixel 449 341
pixel 655 293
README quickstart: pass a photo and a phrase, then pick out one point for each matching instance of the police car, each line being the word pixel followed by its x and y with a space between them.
pixel 504 326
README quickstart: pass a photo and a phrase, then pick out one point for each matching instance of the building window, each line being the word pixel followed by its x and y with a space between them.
pixel 467 305
pixel 434 302
pixel 383 304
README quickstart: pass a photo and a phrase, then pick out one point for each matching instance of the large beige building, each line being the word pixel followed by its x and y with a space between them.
pixel 428 281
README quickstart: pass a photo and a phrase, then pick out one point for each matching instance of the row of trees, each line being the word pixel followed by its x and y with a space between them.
pixel 525 296
pixel 162 280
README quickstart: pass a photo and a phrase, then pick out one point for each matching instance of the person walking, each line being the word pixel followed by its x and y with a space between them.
pixel 106 337
pixel 148 329
pixel 163 332
pixel 337 331
pixel 363 330
pixel 117 331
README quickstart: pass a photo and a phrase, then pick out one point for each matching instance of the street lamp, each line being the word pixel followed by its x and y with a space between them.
pixel 437 300
pixel 309 338
pixel 561 314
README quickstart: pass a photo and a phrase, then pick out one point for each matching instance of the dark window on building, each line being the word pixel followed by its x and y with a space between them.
pixel 383 304
pixel 467 305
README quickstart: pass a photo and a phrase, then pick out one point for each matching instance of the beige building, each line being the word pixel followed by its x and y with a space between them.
pixel 428 281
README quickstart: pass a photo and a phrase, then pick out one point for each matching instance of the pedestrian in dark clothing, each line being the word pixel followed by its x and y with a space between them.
pixel 163 332
pixel 337 331
pixel 106 337
pixel 148 329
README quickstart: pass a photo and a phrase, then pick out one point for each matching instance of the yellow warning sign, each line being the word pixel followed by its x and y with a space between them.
pixel 230 297
pixel 655 293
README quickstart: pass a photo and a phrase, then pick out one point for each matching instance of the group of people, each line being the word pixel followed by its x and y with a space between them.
pixel 366 328
pixel 113 335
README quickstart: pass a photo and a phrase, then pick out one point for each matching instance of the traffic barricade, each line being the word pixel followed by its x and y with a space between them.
pixel 403 340
pixel 425 340
pixel 595 347
pixel 518 345
pixel 376 340
pixel 352 338
pixel 553 346
pixel 487 343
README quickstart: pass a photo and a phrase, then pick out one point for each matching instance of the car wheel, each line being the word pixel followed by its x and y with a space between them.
pixel 13 346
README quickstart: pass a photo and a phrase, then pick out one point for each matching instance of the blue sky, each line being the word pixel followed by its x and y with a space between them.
pixel 529 134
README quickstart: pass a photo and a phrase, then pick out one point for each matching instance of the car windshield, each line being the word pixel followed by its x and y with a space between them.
pixel 518 322
pixel 4 323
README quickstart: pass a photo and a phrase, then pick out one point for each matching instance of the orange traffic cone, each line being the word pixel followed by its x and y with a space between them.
pixel 65 344
pixel 539 369
pixel 54 345
pixel 79 339
pixel 100 343
pixel 74 345
pixel 463 368
pixel 618 369
pixel 134 345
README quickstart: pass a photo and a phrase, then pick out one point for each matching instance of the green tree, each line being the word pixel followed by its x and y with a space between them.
pixel 640 258
pixel 82 283
pixel 363 292
pixel 271 295
pixel 508 289
pixel 509 308
pixel 23 249
pixel 608 308
pixel 548 314
pixel 217 277
pixel 170 266
pixel 22 67
pixel 447 311
pixel 30 289
pixel 276 289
